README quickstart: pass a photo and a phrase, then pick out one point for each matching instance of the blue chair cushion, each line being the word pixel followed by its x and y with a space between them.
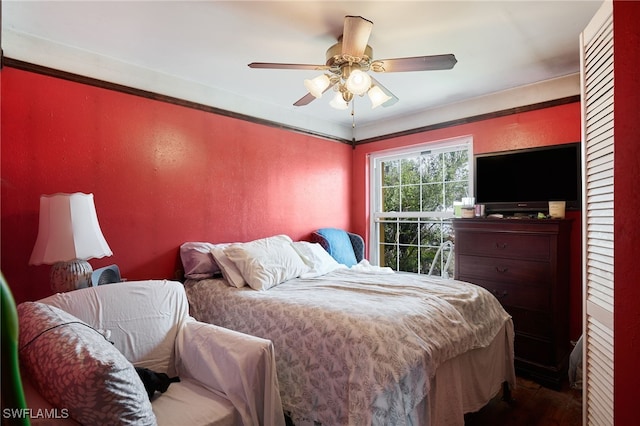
pixel 339 245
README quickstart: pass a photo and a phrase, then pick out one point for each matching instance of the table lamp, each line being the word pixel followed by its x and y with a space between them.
pixel 68 235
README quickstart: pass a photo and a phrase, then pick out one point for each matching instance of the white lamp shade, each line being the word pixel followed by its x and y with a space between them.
pixel 358 82
pixel 377 96
pixel 68 230
pixel 318 85
pixel 338 102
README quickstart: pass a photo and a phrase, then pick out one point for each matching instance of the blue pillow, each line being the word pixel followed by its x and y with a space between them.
pixel 339 245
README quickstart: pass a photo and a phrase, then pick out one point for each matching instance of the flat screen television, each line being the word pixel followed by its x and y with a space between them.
pixel 526 180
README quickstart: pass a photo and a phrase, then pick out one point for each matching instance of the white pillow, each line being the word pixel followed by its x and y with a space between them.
pixel 267 262
pixel 229 270
pixel 317 258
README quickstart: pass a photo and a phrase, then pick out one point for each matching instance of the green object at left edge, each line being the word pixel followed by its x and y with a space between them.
pixel 13 401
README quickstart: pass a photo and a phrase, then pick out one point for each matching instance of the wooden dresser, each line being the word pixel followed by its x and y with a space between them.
pixel 525 264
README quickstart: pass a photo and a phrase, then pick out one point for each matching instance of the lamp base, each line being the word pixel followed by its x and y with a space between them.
pixel 72 275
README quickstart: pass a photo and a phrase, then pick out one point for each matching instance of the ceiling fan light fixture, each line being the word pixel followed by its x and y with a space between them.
pixel 377 96
pixel 338 102
pixel 358 82
pixel 348 63
pixel 318 85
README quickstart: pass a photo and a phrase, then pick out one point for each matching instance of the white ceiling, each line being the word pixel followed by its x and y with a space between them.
pixel 199 51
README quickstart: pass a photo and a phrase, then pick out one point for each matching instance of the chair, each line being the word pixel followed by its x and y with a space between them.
pixel 226 377
pixel 439 256
pixel 345 247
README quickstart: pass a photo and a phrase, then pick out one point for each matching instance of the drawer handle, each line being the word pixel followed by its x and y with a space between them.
pixel 502 270
pixel 501 246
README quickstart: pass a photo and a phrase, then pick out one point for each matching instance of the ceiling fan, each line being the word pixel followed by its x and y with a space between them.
pixel 347 64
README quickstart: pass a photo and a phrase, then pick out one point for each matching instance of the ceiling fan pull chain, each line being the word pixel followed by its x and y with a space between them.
pixel 353 114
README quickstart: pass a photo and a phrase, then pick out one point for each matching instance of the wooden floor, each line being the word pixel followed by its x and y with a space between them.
pixel 534 405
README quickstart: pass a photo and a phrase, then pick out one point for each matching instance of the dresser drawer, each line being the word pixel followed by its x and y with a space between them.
pixel 523 272
pixel 509 294
pixel 534 323
pixel 539 351
pixel 502 244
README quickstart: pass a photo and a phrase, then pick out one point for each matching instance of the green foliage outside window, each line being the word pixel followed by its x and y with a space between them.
pixel 423 183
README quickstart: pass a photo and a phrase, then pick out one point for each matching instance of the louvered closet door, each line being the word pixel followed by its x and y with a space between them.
pixel 598 237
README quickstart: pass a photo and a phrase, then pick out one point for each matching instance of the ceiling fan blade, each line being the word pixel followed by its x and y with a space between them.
pixel 387 92
pixel 305 100
pixel 417 63
pixel 355 35
pixel 276 66
pixel 308 98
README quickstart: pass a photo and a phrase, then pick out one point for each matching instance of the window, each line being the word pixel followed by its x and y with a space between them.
pixel 412 195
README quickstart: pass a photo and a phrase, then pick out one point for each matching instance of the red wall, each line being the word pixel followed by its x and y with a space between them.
pixel 548 126
pixel 161 175
pixel 164 174
pixel 626 211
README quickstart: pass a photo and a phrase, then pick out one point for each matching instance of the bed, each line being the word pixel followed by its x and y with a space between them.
pixel 361 345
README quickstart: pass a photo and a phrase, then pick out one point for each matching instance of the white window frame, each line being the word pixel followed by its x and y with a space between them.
pixel 375 191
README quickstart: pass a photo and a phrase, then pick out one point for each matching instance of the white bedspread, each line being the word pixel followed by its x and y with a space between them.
pixel 355 348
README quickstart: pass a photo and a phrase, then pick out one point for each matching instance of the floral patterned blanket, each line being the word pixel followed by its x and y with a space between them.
pixel 355 347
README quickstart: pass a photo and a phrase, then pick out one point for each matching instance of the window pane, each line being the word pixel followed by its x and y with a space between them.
pixel 440 262
pixel 432 168
pixel 454 191
pixel 408 233
pixel 391 199
pixel 456 166
pixel 389 232
pixel 390 173
pixel 410 198
pixel 408 259
pixel 388 256
pixel 430 234
pixel 426 257
pixel 432 198
pixel 410 171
